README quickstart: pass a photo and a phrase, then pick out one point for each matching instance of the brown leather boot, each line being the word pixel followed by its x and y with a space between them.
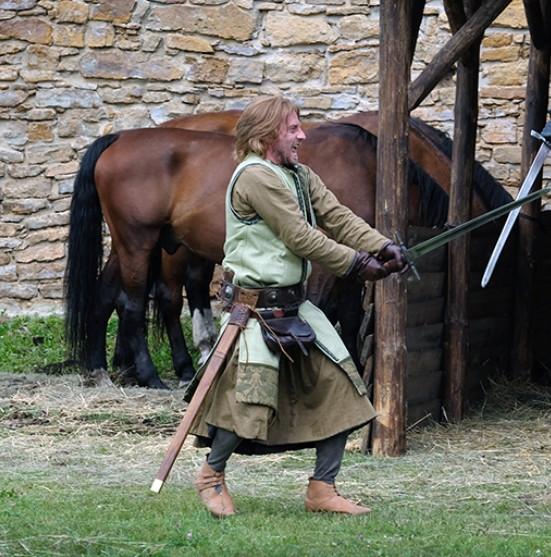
pixel 322 496
pixel 211 487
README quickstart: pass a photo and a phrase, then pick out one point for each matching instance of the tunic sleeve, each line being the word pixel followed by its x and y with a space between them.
pixel 259 192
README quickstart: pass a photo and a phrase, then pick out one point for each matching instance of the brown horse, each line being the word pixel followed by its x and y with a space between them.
pixel 429 148
pixel 340 301
pixel 164 188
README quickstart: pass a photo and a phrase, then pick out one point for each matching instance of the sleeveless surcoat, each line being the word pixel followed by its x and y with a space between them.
pixel 265 398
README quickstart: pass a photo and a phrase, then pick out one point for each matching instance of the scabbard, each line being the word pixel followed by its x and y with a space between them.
pixel 238 319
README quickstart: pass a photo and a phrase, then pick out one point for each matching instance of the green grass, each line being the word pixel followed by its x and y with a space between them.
pixel 36 343
pixel 77 464
pixel 40 517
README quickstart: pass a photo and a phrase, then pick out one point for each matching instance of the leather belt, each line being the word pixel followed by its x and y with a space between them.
pixel 276 297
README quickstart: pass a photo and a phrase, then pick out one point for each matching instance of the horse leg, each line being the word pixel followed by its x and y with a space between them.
pixel 108 298
pixel 108 293
pixel 96 351
pixel 141 369
pixel 120 357
pixel 169 301
pixel 131 307
pixel 350 317
pixel 198 278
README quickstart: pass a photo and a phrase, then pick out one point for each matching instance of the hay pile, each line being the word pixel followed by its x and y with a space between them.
pixel 54 426
pixel 55 423
pixel 63 404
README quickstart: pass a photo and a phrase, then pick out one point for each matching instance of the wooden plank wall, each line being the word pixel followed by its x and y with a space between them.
pixel 490 323
pixel 491 309
pixel 542 306
pixel 425 330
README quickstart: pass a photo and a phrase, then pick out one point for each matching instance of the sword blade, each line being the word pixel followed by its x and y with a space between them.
pixel 535 169
pixel 442 239
pixel 433 243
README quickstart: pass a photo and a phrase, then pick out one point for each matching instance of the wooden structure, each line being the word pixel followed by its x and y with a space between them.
pixel 541 366
pixel 397 97
pixel 489 322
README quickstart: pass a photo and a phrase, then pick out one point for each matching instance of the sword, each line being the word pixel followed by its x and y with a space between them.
pixel 535 169
pixel 410 254
pixel 238 319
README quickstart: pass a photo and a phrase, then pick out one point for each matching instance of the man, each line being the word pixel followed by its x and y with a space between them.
pixel 270 400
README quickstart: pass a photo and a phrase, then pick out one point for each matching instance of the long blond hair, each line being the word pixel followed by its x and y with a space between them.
pixel 259 124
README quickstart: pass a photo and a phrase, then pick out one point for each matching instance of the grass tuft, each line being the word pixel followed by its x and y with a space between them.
pixel 37 344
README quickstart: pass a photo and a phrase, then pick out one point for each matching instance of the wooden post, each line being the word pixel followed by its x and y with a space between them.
pixel 537 98
pixel 456 322
pixel 389 429
pixel 461 41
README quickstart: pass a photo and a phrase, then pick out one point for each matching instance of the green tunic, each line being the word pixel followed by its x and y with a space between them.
pixel 272 214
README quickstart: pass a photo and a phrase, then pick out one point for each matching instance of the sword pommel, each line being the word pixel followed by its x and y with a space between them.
pixel 407 256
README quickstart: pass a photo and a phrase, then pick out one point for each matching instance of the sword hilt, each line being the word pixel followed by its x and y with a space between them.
pixel 544 136
pixel 407 256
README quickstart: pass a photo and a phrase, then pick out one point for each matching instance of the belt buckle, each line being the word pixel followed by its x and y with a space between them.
pixel 227 292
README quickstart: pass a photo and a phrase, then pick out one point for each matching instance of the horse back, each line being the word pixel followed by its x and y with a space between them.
pixel 222 122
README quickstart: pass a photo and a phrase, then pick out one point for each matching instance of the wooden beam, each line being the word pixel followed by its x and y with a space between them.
pixel 456 14
pixel 389 428
pixel 536 23
pixel 546 9
pixel 537 99
pixel 469 33
pixel 456 322
pixel 416 20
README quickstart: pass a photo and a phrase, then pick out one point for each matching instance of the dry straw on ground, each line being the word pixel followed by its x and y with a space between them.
pixel 55 428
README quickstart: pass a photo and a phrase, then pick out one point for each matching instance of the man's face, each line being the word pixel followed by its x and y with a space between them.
pixel 284 150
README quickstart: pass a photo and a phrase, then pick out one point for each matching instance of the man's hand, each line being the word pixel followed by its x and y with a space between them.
pixel 393 258
pixel 368 267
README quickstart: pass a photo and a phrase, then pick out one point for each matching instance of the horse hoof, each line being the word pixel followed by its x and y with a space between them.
pixel 158 384
pixel 97 378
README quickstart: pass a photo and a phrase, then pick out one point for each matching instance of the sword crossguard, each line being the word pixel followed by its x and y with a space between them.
pixel 407 256
pixel 544 136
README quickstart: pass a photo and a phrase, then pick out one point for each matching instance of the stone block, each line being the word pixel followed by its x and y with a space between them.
pixel 31 29
pixel 288 30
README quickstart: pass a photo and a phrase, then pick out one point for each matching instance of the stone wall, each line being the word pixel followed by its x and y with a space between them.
pixel 71 71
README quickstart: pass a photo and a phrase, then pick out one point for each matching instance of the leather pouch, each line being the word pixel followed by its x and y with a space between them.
pixel 286 334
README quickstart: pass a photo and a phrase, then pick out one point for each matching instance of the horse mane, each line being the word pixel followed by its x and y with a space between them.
pixel 492 193
pixel 434 201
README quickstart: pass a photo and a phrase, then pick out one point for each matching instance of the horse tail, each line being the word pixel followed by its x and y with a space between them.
pixel 85 249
